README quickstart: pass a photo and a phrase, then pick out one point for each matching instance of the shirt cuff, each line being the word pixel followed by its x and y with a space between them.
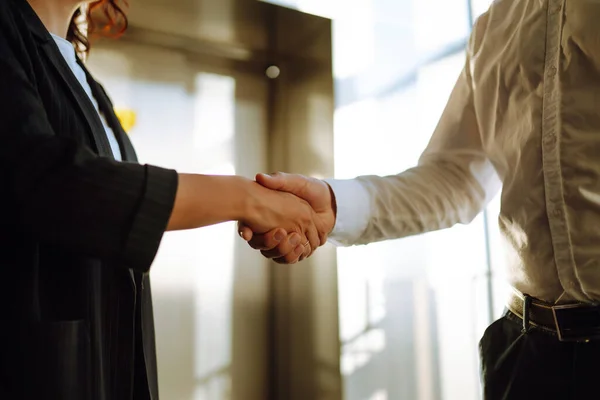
pixel 353 211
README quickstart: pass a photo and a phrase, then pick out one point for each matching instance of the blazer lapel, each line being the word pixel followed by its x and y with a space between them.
pixel 107 109
pixel 80 97
pixel 81 100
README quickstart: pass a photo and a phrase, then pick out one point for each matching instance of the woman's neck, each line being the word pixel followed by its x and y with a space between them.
pixel 55 14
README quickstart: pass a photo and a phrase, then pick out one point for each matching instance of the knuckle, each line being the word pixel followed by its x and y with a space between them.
pixel 284 249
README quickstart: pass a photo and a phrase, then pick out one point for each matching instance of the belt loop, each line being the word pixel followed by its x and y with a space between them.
pixel 526 306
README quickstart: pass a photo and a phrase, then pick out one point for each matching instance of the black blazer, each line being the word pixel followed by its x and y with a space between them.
pixel 77 235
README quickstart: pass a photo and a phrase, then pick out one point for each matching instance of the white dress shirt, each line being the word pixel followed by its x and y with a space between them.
pixel 68 52
pixel 525 112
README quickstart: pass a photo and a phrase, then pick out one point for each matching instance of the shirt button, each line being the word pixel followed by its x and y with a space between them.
pixel 557 212
pixel 552 70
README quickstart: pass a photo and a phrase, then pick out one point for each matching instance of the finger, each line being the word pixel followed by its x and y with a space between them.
pixel 286 246
pixel 312 244
pixel 291 183
pixel 306 253
pixel 291 258
pixel 314 241
pixel 268 240
pixel 245 232
pixel 307 250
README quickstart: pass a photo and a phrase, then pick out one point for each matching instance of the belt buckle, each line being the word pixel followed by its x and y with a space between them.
pixel 577 322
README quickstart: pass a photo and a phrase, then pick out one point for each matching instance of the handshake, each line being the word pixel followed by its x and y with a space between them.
pixel 289 217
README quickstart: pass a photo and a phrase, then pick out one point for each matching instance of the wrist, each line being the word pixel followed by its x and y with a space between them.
pixel 246 200
pixel 203 200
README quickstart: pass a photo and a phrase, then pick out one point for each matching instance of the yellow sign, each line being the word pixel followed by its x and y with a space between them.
pixel 127 118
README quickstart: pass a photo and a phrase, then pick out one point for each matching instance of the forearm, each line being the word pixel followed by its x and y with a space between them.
pixel 433 196
pixel 204 200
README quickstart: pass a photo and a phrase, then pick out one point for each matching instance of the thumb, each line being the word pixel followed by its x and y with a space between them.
pixel 281 181
pixel 274 181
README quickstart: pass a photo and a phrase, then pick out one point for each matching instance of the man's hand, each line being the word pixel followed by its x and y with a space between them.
pixel 267 210
pixel 277 243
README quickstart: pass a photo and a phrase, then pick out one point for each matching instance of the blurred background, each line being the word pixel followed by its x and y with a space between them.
pixel 320 87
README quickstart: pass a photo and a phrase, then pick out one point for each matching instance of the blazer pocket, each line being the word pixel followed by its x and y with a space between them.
pixel 49 360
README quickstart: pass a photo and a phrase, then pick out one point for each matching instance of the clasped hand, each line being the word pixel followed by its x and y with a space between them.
pixel 295 216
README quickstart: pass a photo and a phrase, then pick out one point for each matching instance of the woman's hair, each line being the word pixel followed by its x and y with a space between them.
pixel 102 17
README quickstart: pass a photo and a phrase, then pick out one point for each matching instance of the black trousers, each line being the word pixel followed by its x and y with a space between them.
pixel 535 365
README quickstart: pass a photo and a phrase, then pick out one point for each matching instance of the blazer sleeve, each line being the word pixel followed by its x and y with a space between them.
pixel 59 192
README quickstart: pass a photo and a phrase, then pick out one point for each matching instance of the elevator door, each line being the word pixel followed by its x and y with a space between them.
pixel 210 290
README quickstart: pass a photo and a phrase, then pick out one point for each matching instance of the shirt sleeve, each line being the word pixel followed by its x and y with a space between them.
pixel 57 191
pixel 452 183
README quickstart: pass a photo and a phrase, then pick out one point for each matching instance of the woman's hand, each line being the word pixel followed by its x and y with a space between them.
pixel 203 200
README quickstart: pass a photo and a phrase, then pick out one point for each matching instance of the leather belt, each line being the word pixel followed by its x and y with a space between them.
pixel 571 322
